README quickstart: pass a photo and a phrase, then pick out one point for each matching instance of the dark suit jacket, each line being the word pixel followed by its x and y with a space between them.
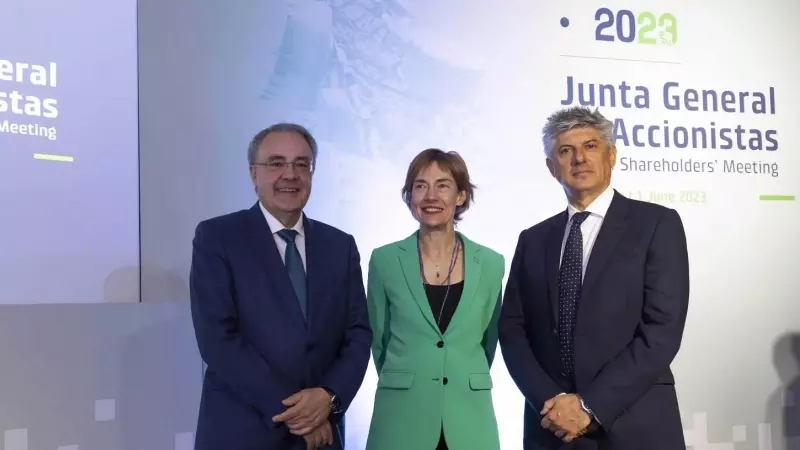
pixel 630 323
pixel 252 335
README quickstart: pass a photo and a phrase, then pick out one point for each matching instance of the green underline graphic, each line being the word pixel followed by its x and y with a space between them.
pixel 776 198
pixel 48 157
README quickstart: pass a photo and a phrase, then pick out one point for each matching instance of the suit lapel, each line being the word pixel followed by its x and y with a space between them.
pixel 472 279
pixel 267 257
pixel 315 269
pixel 409 262
pixel 553 259
pixel 611 231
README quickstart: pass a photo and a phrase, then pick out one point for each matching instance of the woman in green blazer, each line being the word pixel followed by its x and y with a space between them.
pixel 434 302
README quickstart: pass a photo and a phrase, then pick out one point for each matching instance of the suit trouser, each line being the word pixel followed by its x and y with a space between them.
pixel 442 445
pixel 580 444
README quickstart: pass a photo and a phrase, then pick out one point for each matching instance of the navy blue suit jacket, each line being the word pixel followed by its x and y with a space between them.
pixel 252 335
pixel 630 323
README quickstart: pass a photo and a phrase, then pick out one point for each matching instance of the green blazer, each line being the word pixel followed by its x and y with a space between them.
pixel 424 384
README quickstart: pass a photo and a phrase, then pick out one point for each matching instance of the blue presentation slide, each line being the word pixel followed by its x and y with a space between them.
pixel 69 203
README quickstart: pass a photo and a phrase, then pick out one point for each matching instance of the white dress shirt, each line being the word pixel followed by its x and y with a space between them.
pixel 275 225
pixel 590 227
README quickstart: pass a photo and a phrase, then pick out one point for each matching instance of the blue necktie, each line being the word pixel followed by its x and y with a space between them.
pixel 570 279
pixel 294 265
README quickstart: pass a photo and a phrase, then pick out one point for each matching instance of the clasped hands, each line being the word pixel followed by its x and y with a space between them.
pixel 564 416
pixel 307 415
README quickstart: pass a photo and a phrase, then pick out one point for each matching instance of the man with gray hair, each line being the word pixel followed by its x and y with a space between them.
pixel 279 311
pixel 595 305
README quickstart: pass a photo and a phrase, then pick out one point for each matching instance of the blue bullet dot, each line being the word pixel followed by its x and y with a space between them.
pixel 564 22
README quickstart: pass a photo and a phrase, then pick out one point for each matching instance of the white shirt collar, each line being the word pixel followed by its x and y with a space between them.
pixel 598 207
pixel 275 225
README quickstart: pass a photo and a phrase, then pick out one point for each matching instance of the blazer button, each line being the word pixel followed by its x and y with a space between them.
pixel 444 380
pixel 555 332
pixel 440 344
pixel 309 348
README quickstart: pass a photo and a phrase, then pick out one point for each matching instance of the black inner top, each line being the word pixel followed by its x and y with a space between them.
pixel 436 297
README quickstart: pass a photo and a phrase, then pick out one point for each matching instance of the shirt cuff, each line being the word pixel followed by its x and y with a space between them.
pixel 588 411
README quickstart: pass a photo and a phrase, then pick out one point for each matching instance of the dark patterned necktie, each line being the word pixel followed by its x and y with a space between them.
pixel 570 278
pixel 294 265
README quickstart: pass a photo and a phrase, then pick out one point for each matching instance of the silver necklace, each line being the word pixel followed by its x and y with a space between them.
pixel 453 259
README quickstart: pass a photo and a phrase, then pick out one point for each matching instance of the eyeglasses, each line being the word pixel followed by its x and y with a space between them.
pixel 302 166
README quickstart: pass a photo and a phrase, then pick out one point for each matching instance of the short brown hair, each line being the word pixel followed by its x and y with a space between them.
pixel 450 162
